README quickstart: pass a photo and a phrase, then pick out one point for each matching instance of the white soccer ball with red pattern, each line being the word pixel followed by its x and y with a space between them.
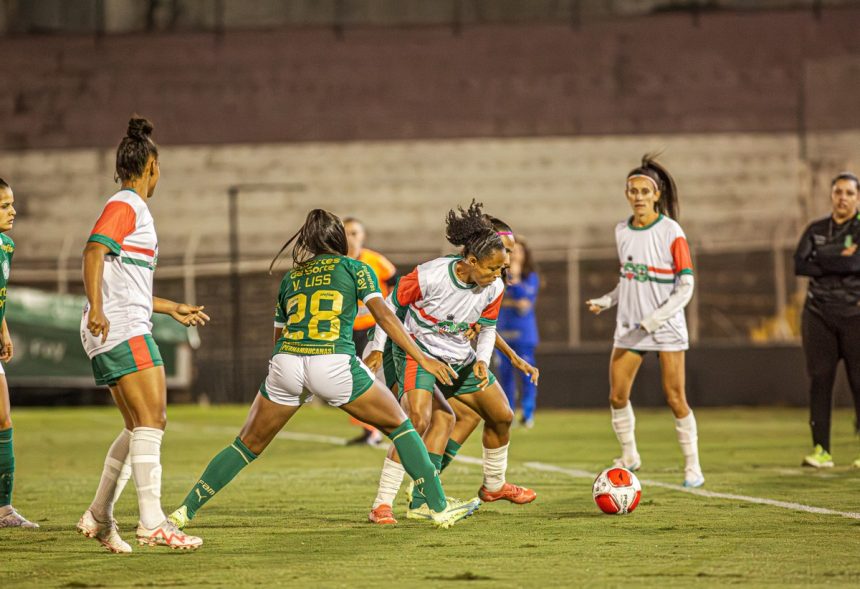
pixel 617 491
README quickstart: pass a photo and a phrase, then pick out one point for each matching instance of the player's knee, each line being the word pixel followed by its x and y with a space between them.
pixel 676 400
pixel 617 399
pixel 420 422
pixel 5 422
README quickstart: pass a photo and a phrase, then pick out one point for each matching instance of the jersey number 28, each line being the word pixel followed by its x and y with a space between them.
pixel 297 307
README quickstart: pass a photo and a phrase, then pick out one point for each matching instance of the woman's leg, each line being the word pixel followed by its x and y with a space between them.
pixel 265 419
pixel 467 421
pixel 508 379
pixel 623 366
pixel 9 518
pixel 528 396
pixel 672 368
pixel 821 348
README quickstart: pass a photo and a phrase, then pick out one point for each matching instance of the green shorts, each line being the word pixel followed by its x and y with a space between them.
pixel 389 368
pixel 411 376
pixel 134 355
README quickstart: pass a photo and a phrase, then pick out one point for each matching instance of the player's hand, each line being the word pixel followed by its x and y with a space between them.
pixel 527 369
pixel 473 331
pixel 98 324
pixel 481 371
pixel 373 360
pixel 190 315
pixel 6 351
pixel 441 370
pixel 596 309
pixel 850 250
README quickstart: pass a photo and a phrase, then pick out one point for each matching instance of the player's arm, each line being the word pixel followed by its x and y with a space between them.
pixel 388 322
pixel 841 258
pixel 681 295
pixel 805 256
pixel 5 342
pixel 187 315
pixel 94 264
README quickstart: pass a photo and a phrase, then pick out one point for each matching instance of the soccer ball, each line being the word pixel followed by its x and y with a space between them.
pixel 617 491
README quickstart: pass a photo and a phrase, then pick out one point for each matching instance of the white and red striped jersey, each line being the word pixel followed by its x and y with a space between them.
pixel 127 229
pixel 441 308
pixel 652 259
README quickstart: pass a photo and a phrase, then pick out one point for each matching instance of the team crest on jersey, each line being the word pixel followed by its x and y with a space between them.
pixel 451 327
pixel 5 269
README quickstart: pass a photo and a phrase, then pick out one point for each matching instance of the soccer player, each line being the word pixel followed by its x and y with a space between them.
pixel 518 324
pixel 442 300
pixel 656 284
pixel 119 263
pixel 827 253
pixel 9 518
pixel 385 271
pixel 314 355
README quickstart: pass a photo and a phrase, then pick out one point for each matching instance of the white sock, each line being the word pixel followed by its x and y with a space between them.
pixel 146 469
pixel 124 475
pixel 106 495
pixel 624 426
pixel 688 438
pixel 389 483
pixel 495 466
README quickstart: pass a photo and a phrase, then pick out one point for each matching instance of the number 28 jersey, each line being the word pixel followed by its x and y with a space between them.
pixel 317 304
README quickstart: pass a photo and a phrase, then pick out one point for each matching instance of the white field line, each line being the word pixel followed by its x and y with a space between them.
pixel 571 472
pixel 582 474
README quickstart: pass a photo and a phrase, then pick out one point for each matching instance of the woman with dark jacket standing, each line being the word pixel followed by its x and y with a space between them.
pixel 827 253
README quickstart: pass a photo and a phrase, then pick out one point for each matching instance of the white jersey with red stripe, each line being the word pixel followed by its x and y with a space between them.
pixel 441 308
pixel 127 229
pixel 652 259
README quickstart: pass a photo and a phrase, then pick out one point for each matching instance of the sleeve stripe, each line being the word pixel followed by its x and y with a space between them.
pixel 371 296
pixel 113 246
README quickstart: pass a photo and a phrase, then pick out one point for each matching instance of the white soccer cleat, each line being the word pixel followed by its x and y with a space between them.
pixel 167 534
pixel 13 519
pixel 106 533
pixel 455 511
pixel 632 463
pixel 693 478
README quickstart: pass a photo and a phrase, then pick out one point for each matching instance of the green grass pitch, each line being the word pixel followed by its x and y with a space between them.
pixel 297 516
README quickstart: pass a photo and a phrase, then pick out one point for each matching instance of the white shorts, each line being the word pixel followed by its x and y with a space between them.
pixel 670 337
pixel 337 379
pixel 2 371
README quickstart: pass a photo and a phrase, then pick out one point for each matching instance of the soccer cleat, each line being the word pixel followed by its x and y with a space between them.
pixel 856 463
pixel 13 519
pixel 693 478
pixel 508 492
pixel 421 512
pixel 818 459
pixel 106 533
pixel 382 515
pixel 167 534
pixel 632 463
pixel 179 518
pixel 454 511
pixel 527 423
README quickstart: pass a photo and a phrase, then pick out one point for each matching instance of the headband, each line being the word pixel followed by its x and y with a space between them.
pixel 500 233
pixel 654 182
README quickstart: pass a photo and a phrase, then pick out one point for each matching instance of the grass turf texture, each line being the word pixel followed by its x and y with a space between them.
pixel 297 516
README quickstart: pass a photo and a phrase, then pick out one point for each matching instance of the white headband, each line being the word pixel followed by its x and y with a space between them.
pixel 654 182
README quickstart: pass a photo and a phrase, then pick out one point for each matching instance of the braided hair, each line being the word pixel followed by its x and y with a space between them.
pixel 668 203
pixel 134 149
pixel 322 233
pixel 472 231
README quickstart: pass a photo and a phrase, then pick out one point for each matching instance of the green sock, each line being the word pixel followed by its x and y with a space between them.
pixel 7 467
pixel 451 450
pixel 417 498
pixel 218 474
pixel 417 464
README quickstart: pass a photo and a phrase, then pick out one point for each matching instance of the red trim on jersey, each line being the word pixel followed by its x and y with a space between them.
pixel 410 376
pixel 491 312
pixel 425 315
pixel 681 258
pixel 409 289
pixel 117 221
pixel 660 270
pixel 138 250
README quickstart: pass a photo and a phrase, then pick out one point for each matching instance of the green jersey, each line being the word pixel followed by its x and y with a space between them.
pixel 318 302
pixel 7 248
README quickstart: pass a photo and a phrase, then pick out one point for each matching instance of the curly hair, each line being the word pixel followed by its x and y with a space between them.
pixel 472 231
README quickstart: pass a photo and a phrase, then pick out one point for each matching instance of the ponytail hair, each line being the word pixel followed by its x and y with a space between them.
pixel 134 149
pixel 472 231
pixel 668 204
pixel 322 233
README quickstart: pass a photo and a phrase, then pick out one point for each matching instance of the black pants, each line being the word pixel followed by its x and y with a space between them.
pixel 827 338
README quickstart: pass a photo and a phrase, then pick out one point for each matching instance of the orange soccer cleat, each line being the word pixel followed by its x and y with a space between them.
pixel 382 515
pixel 508 492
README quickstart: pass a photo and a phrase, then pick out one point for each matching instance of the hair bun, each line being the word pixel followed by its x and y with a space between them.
pixel 139 128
